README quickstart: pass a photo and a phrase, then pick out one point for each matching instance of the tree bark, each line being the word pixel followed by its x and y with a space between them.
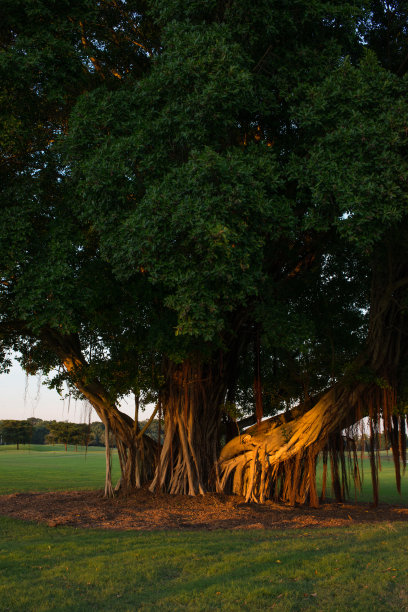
pixel 108 471
pixel 192 402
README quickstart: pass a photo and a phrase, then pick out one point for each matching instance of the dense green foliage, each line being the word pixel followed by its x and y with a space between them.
pixel 52 277
pixel 173 178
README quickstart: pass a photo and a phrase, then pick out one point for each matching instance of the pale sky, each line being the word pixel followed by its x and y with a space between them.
pixel 22 398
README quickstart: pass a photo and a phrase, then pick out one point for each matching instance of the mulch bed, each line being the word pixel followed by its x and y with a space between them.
pixel 145 511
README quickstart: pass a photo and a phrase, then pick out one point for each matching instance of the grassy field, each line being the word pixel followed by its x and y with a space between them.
pixel 51 468
pixel 364 568
pixel 387 488
pixel 67 569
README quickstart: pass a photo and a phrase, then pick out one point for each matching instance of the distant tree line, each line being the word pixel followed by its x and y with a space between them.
pixel 37 431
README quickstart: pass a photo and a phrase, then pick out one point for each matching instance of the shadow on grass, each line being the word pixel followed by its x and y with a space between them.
pixel 333 569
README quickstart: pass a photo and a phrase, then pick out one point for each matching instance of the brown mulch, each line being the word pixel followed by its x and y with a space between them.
pixel 145 511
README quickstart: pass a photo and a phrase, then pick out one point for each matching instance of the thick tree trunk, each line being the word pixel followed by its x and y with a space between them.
pixel 278 459
pixel 192 403
pixel 137 451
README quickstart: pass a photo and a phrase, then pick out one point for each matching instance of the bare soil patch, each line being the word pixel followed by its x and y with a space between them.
pixel 145 511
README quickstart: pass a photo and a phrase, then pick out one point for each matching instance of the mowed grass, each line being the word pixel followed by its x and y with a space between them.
pixel 358 568
pixel 51 468
pixel 386 477
pixel 68 569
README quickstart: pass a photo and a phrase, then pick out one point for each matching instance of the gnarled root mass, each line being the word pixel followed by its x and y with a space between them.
pixel 278 459
pixel 192 403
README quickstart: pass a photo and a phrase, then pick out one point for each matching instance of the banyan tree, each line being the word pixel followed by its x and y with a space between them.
pixel 176 180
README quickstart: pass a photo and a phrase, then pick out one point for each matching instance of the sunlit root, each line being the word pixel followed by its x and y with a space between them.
pixel 278 460
pixel 255 464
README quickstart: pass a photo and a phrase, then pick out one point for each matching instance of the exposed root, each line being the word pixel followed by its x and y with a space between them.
pixel 278 460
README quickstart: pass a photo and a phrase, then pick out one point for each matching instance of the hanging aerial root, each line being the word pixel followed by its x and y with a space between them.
pixel 108 471
pixel 278 459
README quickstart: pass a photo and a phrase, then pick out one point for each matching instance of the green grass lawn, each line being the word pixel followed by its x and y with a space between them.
pixel 51 468
pixel 358 568
pixel 387 487
pixel 61 568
